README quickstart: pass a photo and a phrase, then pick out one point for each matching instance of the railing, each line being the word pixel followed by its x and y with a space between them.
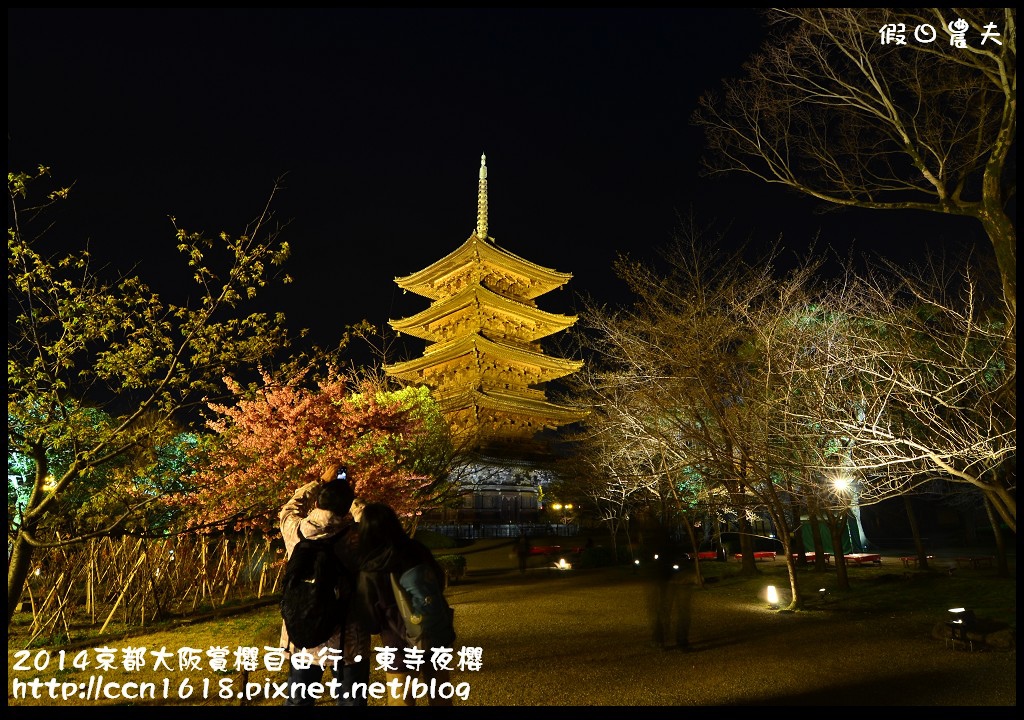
pixel 132 582
pixel 477 531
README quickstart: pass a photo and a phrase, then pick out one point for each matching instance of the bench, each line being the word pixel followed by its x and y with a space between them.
pixel 707 555
pixel 913 560
pixel 811 556
pixel 975 562
pixel 862 558
pixel 554 550
pixel 545 549
pixel 761 555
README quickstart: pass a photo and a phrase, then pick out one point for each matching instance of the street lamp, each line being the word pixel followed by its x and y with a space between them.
pixel 564 509
pixel 846 486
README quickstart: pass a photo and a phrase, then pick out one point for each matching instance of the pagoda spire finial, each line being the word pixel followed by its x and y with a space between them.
pixel 481 201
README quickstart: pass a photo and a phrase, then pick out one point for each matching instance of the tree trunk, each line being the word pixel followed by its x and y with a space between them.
pixel 835 529
pixel 1004 503
pixel 613 528
pixel 1002 564
pixel 915 531
pixel 695 544
pixel 17 573
pixel 797 596
pixel 796 536
pixel 749 565
pixel 629 543
pixel 1003 236
pixel 819 544
pixel 716 539
pixel 799 550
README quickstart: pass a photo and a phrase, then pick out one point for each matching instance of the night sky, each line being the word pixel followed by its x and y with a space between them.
pixel 377 119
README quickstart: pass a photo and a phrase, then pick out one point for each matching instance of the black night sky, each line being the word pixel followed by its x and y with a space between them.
pixel 377 120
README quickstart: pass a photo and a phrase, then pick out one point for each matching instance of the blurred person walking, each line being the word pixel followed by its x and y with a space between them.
pixel 522 551
pixel 671 579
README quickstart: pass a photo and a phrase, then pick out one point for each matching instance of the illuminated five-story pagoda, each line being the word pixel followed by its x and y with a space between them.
pixel 486 368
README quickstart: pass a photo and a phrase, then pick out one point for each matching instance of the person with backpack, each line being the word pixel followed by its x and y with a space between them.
pixel 321 610
pixel 386 550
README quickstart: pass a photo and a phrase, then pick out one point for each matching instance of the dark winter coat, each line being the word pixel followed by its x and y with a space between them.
pixel 352 635
pixel 426 579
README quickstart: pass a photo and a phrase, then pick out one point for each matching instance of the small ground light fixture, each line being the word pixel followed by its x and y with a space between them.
pixel 563 565
pixel 773 597
pixel 961 621
pixel 822 592
pixel 961 615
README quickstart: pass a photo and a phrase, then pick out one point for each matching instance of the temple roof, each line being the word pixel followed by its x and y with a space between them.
pixel 478 345
pixel 482 358
pixel 536 323
pixel 482 257
pixel 547 412
pixel 484 260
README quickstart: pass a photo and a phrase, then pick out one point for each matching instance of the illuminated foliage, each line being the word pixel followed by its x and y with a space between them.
pixel 280 435
pixel 101 369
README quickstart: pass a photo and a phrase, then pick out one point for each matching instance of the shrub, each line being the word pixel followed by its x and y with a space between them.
pixel 454 566
pixel 594 557
pixel 436 541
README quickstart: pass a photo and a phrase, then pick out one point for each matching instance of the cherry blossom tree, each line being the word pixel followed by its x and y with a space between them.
pixel 280 434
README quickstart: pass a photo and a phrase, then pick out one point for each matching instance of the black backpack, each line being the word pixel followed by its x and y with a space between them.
pixel 428 618
pixel 315 592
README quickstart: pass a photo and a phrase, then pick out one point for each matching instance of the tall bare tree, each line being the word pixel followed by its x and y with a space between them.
pixel 600 468
pixel 829 109
pixel 699 357
pixel 934 389
pixel 656 364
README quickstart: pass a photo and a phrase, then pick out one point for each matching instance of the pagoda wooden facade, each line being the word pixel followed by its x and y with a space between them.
pixel 483 360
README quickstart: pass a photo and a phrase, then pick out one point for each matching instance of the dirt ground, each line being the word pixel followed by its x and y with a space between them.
pixel 581 637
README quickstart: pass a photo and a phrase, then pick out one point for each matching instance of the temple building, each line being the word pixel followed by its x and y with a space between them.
pixel 485 366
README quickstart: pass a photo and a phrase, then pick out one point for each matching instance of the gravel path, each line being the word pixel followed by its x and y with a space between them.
pixel 581 638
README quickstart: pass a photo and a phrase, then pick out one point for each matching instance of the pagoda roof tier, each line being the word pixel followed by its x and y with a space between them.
pixel 531 322
pixel 482 258
pixel 546 412
pixel 479 346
